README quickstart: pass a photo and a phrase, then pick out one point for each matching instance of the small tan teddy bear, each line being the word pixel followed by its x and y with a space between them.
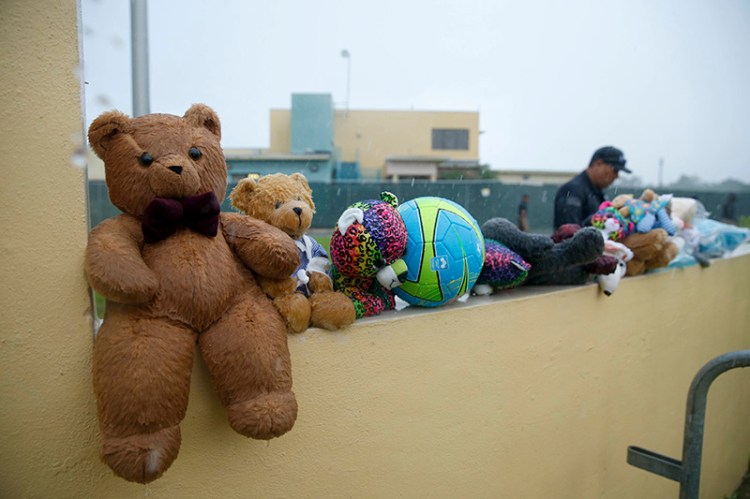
pixel 307 297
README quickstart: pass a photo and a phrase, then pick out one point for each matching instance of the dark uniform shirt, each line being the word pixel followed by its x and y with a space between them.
pixel 577 200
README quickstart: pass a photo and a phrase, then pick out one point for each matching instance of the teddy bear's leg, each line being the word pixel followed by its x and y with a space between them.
pixel 665 222
pixel 646 223
pixel 635 267
pixel 332 310
pixel 141 371
pixel 295 309
pixel 247 356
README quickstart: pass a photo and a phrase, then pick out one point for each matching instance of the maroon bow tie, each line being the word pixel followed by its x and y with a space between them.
pixel 163 216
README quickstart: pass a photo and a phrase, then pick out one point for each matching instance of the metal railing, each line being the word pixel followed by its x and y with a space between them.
pixel 688 471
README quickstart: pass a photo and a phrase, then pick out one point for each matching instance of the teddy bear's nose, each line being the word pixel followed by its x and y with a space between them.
pixel 176 169
pixel 297 210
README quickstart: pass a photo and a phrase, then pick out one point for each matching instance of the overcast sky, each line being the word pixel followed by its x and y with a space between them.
pixel 552 80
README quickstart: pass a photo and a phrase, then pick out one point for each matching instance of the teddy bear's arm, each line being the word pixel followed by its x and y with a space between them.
pixel 277 287
pixel 114 265
pixel 266 250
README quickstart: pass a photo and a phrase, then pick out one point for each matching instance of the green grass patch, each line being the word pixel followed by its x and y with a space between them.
pixel 99 302
pixel 325 241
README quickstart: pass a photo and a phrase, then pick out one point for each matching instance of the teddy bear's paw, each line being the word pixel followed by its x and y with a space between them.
pixel 320 282
pixel 635 267
pixel 264 417
pixel 295 310
pixel 142 458
pixel 332 311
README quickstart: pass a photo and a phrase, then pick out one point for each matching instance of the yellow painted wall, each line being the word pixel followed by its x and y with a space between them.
pixel 535 393
pixel 373 136
pixel 280 141
pixel 47 422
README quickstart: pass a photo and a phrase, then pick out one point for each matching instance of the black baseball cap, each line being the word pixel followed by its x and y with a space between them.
pixel 612 156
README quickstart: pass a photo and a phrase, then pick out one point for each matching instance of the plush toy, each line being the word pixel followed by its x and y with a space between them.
pixel 306 298
pixel 551 263
pixel 502 269
pixel 614 227
pixel 687 238
pixel 611 222
pixel 649 242
pixel 609 283
pixel 175 271
pixel 604 264
pixel 651 250
pixel 367 247
pixel 648 212
pixel 622 255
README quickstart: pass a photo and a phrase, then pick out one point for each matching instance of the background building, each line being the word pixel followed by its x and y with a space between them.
pixel 325 143
pixel 535 177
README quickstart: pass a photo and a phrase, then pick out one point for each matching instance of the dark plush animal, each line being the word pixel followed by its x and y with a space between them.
pixel 562 262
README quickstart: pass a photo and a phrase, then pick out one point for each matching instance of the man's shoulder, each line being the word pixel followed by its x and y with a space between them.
pixel 575 185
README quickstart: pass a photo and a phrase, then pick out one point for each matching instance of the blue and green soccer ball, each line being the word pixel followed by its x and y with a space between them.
pixel 444 252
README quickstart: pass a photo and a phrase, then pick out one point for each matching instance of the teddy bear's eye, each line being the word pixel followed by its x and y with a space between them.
pixel 146 159
pixel 278 204
pixel 195 153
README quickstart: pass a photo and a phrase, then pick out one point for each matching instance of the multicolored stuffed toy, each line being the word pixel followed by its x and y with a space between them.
pixel 648 212
pixel 502 269
pixel 610 221
pixel 366 249
pixel 614 227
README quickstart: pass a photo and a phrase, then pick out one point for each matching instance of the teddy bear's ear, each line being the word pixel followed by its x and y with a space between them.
pixel 240 194
pixel 104 128
pixel 648 195
pixel 302 180
pixel 350 216
pixel 389 198
pixel 202 116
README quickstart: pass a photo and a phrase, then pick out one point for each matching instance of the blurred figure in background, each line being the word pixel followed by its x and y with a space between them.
pixel 729 209
pixel 523 213
pixel 581 196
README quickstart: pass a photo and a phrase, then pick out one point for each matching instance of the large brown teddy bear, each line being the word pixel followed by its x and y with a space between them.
pixel 176 271
pixel 306 298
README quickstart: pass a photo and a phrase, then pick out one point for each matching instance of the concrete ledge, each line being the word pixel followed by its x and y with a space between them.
pixel 536 392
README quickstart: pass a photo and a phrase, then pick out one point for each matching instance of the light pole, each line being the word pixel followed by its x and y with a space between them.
pixel 661 171
pixel 139 37
pixel 345 55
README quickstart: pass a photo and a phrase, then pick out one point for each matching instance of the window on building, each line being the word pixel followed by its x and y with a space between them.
pixel 450 138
